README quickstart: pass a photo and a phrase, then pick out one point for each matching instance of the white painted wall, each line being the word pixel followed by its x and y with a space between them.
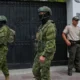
pixel 69 11
pixel 76 8
pixel 72 9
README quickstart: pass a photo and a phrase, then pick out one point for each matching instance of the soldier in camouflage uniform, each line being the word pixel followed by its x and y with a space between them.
pixel 5 37
pixel 45 45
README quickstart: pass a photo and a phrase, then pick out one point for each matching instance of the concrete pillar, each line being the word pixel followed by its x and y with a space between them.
pixel 73 10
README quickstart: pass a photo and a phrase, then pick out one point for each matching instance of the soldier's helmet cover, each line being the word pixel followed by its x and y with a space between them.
pixel 3 18
pixel 45 9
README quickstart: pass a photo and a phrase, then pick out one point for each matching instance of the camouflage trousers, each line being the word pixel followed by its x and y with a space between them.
pixel 3 65
pixel 41 71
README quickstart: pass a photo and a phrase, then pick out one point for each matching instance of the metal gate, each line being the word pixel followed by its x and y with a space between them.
pixel 23 18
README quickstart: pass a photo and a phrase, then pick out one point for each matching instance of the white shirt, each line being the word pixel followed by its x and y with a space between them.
pixel 73 33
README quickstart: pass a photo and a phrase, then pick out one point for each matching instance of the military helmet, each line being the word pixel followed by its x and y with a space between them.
pixel 45 9
pixel 3 18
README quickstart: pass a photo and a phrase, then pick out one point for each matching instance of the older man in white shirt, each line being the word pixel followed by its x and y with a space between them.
pixel 71 36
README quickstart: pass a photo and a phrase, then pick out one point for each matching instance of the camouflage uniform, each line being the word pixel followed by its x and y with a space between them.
pixel 45 46
pixel 5 34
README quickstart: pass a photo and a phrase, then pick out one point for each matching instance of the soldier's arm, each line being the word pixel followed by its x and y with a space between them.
pixel 4 35
pixel 50 40
pixel 12 36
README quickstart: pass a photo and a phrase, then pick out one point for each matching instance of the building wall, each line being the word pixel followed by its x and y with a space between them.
pixel 72 10
pixel 69 11
pixel 76 9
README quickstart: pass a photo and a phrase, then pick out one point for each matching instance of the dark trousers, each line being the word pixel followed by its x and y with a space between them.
pixel 74 56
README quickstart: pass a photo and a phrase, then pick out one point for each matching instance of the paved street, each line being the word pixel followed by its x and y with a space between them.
pixel 57 73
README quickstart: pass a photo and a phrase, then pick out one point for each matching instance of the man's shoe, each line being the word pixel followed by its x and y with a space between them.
pixel 70 72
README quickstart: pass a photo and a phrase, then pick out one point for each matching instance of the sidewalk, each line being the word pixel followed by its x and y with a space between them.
pixel 57 73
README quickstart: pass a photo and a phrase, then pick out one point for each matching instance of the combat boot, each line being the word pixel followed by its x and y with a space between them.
pixel 7 78
pixel 70 72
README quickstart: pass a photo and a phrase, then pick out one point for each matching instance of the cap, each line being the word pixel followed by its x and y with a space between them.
pixel 75 18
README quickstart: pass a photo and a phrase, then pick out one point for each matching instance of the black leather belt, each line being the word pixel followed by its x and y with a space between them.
pixel 75 42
